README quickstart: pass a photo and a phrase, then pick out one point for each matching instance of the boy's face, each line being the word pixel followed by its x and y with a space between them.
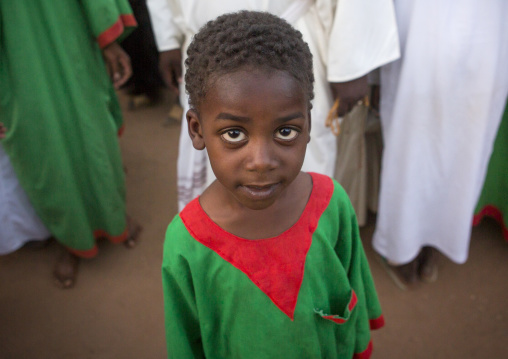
pixel 255 126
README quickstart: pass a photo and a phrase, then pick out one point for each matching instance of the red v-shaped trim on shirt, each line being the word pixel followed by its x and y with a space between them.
pixel 275 265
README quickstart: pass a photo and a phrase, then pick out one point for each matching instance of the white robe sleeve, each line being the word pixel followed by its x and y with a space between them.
pixel 363 37
pixel 168 35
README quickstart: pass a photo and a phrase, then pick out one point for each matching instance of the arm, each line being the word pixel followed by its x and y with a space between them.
pixel 349 93
pixel 183 338
pixel 170 67
pixel 363 37
pixel 349 249
pixel 169 38
pixel 110 21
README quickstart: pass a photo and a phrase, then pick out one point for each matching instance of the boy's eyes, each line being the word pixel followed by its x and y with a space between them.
pixel 286 133
pixel 236 136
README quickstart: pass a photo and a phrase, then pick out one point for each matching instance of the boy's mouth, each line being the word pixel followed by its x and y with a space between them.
pixel 259 191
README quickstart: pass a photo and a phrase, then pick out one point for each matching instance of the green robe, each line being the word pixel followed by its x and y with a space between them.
pixel 307 293
pixel 62 114
pixel 493 201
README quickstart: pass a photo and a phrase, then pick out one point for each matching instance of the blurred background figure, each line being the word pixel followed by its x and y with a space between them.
pixel 493 201
pixel 145 84
pixel 348 39
pixel 441 106
pixel 61 170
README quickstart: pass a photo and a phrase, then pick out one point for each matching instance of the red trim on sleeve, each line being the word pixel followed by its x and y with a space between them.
pixel 114 31
pixel 366 353
pixel 129 20
pixel 281 277
pixel 90 253
pixel 377 323
pixel 494 212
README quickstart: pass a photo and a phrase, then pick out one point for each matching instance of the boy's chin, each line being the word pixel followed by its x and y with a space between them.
pixel 256 205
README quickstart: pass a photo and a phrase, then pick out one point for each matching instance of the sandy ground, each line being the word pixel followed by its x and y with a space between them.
pixel 116 308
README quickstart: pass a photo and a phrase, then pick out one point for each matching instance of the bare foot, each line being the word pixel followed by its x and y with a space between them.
pixel 404 276
pixel 134 229
pixel 66 270
pixel 427 269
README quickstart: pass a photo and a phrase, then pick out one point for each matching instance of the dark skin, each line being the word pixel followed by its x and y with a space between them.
pixel 348 93
pixel 170 67
pixel 276 220
pixel 118 64
pixel 255 126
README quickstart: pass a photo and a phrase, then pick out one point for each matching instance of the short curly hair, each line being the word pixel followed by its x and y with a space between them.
pixel 246 39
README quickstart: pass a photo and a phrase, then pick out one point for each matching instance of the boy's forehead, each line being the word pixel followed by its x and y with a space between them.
pixel 251 93
pixel 248 80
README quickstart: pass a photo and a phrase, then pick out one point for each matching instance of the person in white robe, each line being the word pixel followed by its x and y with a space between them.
pixel 348 39
pixel 441 105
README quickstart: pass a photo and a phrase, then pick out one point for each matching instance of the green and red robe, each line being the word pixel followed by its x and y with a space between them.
pixel 307 293
pixel 493 201
pixel 63 116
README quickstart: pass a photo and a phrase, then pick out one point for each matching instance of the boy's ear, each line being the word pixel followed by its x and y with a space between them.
pixel 195 130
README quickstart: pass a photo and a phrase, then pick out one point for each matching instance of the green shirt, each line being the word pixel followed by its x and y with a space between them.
pixel 307 293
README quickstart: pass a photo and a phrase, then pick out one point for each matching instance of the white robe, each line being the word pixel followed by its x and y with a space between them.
pixel 18 221
pixel 348 39
pixel 441 106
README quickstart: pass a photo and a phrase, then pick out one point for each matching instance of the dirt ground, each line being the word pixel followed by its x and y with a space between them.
pixel 116 308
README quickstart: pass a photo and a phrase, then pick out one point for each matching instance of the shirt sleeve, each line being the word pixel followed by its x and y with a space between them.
pixel 183 337
pixel 168 34
pixel 363 37
pixel 350 250
pixel 109 20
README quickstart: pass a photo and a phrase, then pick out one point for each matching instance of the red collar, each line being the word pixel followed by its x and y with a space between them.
pixel 275 265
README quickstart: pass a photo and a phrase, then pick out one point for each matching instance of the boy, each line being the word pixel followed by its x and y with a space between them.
pixel 267 262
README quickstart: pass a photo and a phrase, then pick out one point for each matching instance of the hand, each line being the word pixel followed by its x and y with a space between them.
pixel 118 64
pixel 3 130
pixel 170 67
pixel 349 93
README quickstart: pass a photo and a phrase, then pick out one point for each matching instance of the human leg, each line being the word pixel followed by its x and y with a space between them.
pixel 134 229
pixel 427 264
pixel 66 269
pixel 404 276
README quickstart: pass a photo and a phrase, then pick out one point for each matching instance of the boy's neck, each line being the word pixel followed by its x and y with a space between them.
pixel 258 224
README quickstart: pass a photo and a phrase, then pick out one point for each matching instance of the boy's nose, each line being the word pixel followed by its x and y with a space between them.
pixel 261 157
